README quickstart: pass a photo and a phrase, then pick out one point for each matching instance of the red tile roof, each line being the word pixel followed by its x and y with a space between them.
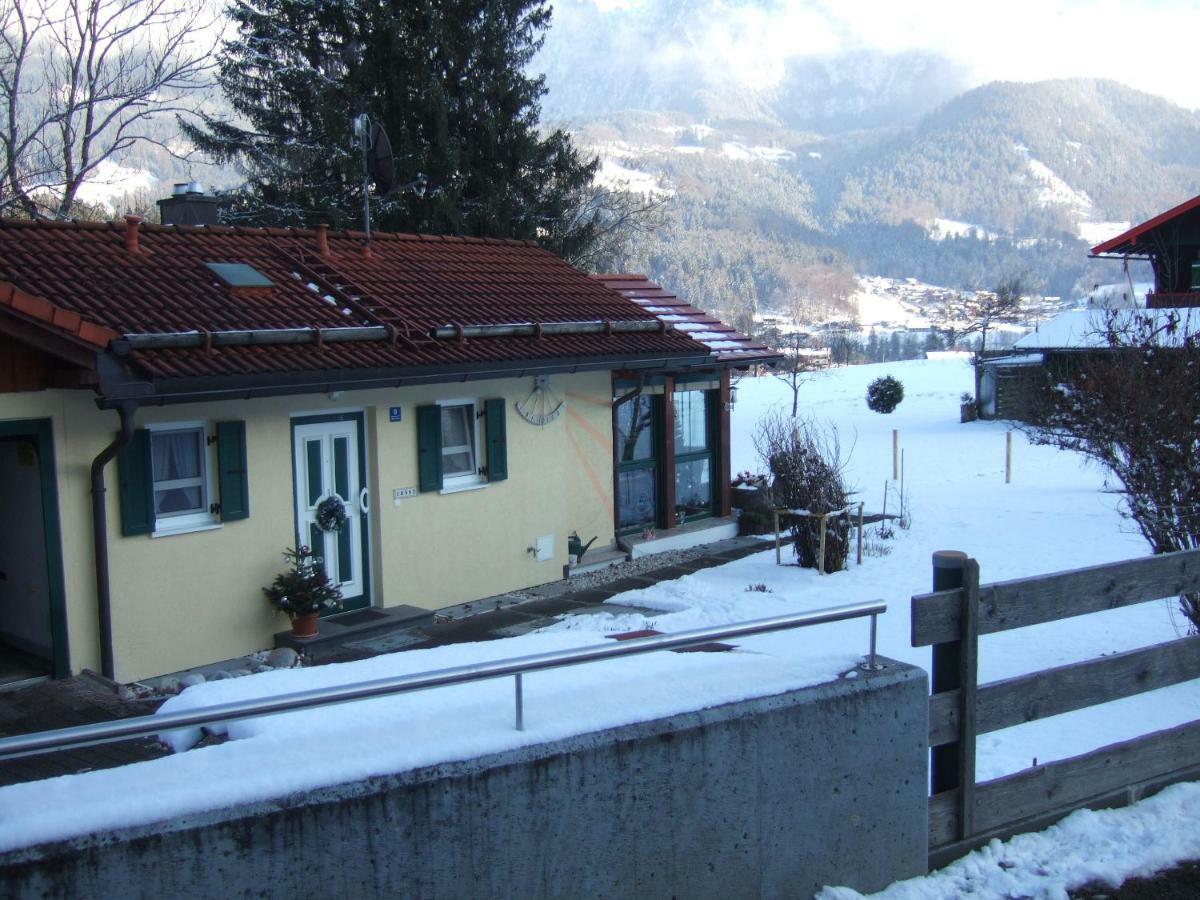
pixel 62 319
pixel 84 279
pixel 728 345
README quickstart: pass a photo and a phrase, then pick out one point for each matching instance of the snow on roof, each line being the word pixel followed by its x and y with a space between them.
pixel 1080 329
pixel 1113 296
pixel 948 354
pixel 1017 359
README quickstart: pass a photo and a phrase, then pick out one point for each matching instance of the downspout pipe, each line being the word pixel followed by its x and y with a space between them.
pixel 126 410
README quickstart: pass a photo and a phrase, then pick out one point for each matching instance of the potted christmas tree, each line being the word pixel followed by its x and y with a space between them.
pixel 304 591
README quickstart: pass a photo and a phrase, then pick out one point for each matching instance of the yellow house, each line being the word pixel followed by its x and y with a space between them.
pixel 176 402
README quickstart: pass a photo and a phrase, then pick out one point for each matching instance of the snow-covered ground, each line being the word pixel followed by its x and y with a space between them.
pixel 1054 515
pixel 1106 847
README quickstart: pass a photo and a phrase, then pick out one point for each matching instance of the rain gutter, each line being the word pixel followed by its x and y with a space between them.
pixel 246 386
pixel 265 336
pixel 126 410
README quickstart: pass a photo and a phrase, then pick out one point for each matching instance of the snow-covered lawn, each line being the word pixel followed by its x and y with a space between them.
pixel 1106 847
pixel 1053 516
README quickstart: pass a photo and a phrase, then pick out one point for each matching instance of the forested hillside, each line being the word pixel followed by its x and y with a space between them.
pixel 1004 180
pixel 992 157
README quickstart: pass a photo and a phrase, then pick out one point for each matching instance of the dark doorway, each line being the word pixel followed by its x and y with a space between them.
pixel 32 613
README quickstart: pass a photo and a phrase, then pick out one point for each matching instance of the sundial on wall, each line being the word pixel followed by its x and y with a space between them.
pixel 542 405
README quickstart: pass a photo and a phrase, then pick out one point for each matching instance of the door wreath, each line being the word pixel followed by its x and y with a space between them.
pixel 331 513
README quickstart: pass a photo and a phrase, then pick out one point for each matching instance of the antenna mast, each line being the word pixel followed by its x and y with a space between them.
pixel 362 131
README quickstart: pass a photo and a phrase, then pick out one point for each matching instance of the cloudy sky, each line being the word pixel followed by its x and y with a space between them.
pixel 1143 43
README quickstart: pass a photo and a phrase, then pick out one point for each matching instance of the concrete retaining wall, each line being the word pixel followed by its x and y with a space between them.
pixel 765 798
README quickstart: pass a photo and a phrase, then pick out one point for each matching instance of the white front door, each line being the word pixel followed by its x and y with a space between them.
pixel 328 462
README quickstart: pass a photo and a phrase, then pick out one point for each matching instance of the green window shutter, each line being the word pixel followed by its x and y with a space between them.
pixel 429 447
pixel 231 471
pixel 137 486
pixel 497 440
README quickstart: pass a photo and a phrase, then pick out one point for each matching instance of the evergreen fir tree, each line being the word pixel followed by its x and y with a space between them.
pixel 445 78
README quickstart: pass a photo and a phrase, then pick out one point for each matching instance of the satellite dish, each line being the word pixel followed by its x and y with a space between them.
pixel 380 164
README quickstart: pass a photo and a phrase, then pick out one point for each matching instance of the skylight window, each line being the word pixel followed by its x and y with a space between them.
pixel 240 275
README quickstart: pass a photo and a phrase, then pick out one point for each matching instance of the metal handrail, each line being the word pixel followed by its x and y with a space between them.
pixel 122 729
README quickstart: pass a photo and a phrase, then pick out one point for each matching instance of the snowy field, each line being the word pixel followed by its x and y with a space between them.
pixel 1105 846
pixel 1054 515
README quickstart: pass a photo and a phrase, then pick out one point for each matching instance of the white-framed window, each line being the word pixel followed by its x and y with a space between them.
pixel 460 444
pixel 181 476
pixel 451 439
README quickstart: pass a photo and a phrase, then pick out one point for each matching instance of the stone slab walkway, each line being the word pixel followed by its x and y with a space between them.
pixel 85 699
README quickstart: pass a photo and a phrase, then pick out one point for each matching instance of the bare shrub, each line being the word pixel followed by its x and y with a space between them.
pixel 1133 407
pixel 808 472
pixel 875 548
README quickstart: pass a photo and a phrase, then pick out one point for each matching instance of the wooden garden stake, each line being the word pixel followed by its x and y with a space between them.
pixel 860 518
pixel 895 454
pixel 1008 457
pixel 821 550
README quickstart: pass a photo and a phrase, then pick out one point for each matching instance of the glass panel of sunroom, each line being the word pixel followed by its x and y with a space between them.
pixel 635 500
pixel 691 421
pixel 635 429
pixel 693 487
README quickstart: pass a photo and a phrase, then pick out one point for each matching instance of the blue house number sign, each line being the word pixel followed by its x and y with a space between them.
pixel 393 414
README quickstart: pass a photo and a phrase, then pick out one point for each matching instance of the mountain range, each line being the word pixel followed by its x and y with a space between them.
pixel 775 191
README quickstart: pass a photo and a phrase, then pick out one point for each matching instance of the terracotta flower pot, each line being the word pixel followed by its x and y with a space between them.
pixel 305 626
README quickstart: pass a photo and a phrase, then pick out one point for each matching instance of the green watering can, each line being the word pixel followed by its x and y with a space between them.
pixel 576 547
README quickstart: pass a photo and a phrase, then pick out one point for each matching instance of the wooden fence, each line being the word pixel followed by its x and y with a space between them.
pixel 963 814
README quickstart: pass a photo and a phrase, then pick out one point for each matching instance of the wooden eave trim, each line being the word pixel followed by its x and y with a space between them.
pixel 1134 235
pixel 48 340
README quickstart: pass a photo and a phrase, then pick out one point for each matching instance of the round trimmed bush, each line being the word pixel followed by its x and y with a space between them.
pixel 884 394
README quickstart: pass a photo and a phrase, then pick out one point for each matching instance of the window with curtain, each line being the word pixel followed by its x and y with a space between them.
pixel 458 441
pixel 179 471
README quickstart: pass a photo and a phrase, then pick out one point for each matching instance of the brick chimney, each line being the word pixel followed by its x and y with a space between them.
pixel 132 224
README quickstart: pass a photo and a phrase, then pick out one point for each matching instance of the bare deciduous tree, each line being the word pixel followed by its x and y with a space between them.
pixel 985 309
pixel 613 219
pixel 1133 407
pixel 80 80
pixel 797 363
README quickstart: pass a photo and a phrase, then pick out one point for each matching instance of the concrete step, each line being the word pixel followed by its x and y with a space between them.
pixel 693 534
pixel 594 560
pixel 343 628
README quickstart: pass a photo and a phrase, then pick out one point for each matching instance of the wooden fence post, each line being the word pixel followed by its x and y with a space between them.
pixel 775 515
pixel 821 547
pixel 946 671
pixel 968 691
pixel 1008 457
pixel 956 668
pixel 895 454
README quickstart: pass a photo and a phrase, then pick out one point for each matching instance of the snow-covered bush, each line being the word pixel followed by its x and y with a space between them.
pixel 884 394
pixel 807 468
